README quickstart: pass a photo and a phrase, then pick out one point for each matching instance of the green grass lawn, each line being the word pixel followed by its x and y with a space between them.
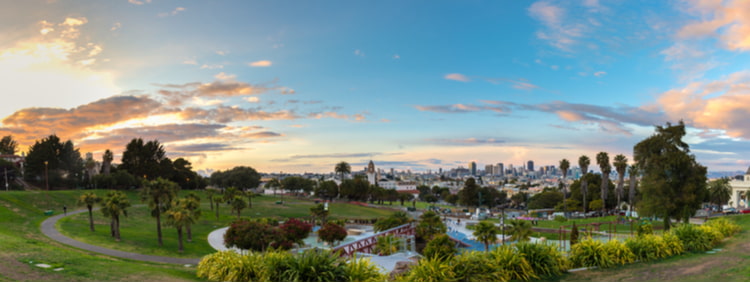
pixel 23 246
pixel 138 230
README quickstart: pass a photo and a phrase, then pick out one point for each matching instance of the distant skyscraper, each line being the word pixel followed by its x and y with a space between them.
pixel 473 168
pixel 499 169
pixel 488 169
pixel 530 165
pixel 371 175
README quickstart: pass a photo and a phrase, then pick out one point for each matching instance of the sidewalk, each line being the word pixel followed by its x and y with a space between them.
pixel 48 229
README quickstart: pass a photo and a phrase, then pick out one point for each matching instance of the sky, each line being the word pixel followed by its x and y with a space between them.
pixel 298 86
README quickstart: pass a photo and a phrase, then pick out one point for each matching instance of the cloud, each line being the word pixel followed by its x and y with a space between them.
pixel 261 63
pixel 359 53
pixel 211 67
pixel 172 13
pixel 335 115
pixel 137 2
pixel 556 31
pixel 225 114
pixel 203 147
pixel 456 77
pixel 116 26
pixel 521 84
pixel 396 56
pixel 729 21
pixel 498 107
pixel 467 141
pixel 600 74
pixel 332 155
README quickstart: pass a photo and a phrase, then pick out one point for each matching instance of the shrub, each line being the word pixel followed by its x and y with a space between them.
pixel 430 270
pixel 546 261
pixel 726 227
pixel 475 266
pixel 692 238
pixel 250 235
pixel 440 246
pixel 230 266
pixel 619 253
pixel 645 229
pixel 314 266
pixel 648 247
pixel 295 231
pixel 517 267
pixel 673 244
pixel 332 233
pixel 387 245
pixel 362 270
pixel 589 253
pixel 714 235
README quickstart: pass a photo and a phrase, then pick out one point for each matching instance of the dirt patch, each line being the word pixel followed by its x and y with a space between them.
pixel 18 271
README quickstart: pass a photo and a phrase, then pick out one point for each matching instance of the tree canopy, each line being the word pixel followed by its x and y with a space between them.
pixel 242 177
pixel 8 145
pixel 143 159
pixel 673 183
pixel 63 162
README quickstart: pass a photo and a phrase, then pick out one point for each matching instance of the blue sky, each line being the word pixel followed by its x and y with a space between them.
pixel 297 86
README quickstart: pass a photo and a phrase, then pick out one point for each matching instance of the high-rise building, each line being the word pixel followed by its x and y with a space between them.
pixel 499 169
pixel 530 165
pixel 488 169
pixel 473 168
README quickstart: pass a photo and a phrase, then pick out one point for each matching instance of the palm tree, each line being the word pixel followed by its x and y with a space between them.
pixel 633 173
pixel 238 204
pixel 218 200
pixel 719 191
pixel 193 204
pixel 564 165
pixel 179 216
pixel 602 159
pixel 387 245
pixel 107 161
pixel 621 166
pixel 159 194
pixel 114 205
pixel 519 230
pixel 486 232
pixel 210 195
pixel 343 168
pixel 584 162
pixel 89 200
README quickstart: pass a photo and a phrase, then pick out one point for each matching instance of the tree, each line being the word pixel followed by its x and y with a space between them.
pixel 564 166
pixel 159 194
pixel 719 192
pixel 193 204
pixel 342 168
pixel 673 183
pixel 319 211
pixel 394 220
pixel 217 200
pixel 90 166
pixel 179 217
pixel 114 205
pixel 297 184
pixel 332 233
pixel 241 177
pixel 405 196
pixel 441 247
pixel 107 158
pixel 143 160
pixel 387 245
pixel 327 190
pixel 633 173
pixel 519 230
pixel 469 195
pixel 238 203
pixel 273 184
pixel 584 163
pixel 486 232
pixel 210 196
pixel 546 199
pixel 621 166
pixel 356 189
pixel 574 235
pixel 8 145
pixel 602 159
pixel 429 226
pixel 58 162
pixel 89 200
pixel 519 198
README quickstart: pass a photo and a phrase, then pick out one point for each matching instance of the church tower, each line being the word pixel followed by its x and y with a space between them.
pixel 372 176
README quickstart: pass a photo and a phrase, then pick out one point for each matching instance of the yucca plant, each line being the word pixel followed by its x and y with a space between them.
pixel 518 268
pixel 589 253
pixel 430 270
pixel 362 270
pixel 619 252
pixel 546 261
pixel 475 266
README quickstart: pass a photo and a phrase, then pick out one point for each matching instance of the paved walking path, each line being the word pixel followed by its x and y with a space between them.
pixel 49 229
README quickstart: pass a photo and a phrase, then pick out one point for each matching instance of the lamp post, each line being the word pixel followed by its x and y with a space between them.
pixel 46 175
pixel 502 223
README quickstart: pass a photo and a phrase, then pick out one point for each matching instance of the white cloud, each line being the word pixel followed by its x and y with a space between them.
pixel 359 53
pixel 173 13
pixel 600 74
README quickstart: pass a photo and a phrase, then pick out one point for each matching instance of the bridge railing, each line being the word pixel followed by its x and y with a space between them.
pixel 367 244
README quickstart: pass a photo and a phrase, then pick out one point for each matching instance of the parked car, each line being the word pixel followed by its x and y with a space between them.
pixel 745 210
pixel 730 210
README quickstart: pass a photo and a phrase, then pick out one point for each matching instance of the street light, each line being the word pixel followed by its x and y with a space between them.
pixel 46 175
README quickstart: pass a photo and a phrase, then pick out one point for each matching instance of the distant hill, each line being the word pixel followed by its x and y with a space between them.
pixel 730 174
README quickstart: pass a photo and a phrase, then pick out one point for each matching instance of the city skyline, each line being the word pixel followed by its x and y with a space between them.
pixel 298 86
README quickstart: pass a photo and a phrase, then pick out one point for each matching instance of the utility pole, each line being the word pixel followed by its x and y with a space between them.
pixel 6 179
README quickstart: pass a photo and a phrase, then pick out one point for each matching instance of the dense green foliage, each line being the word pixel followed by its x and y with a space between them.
pixel 55 162
pixel 394 220
pixel 332 233
pixel 241 177
pixel 441 246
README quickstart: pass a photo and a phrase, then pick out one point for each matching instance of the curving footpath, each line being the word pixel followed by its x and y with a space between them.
pixel 49 229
